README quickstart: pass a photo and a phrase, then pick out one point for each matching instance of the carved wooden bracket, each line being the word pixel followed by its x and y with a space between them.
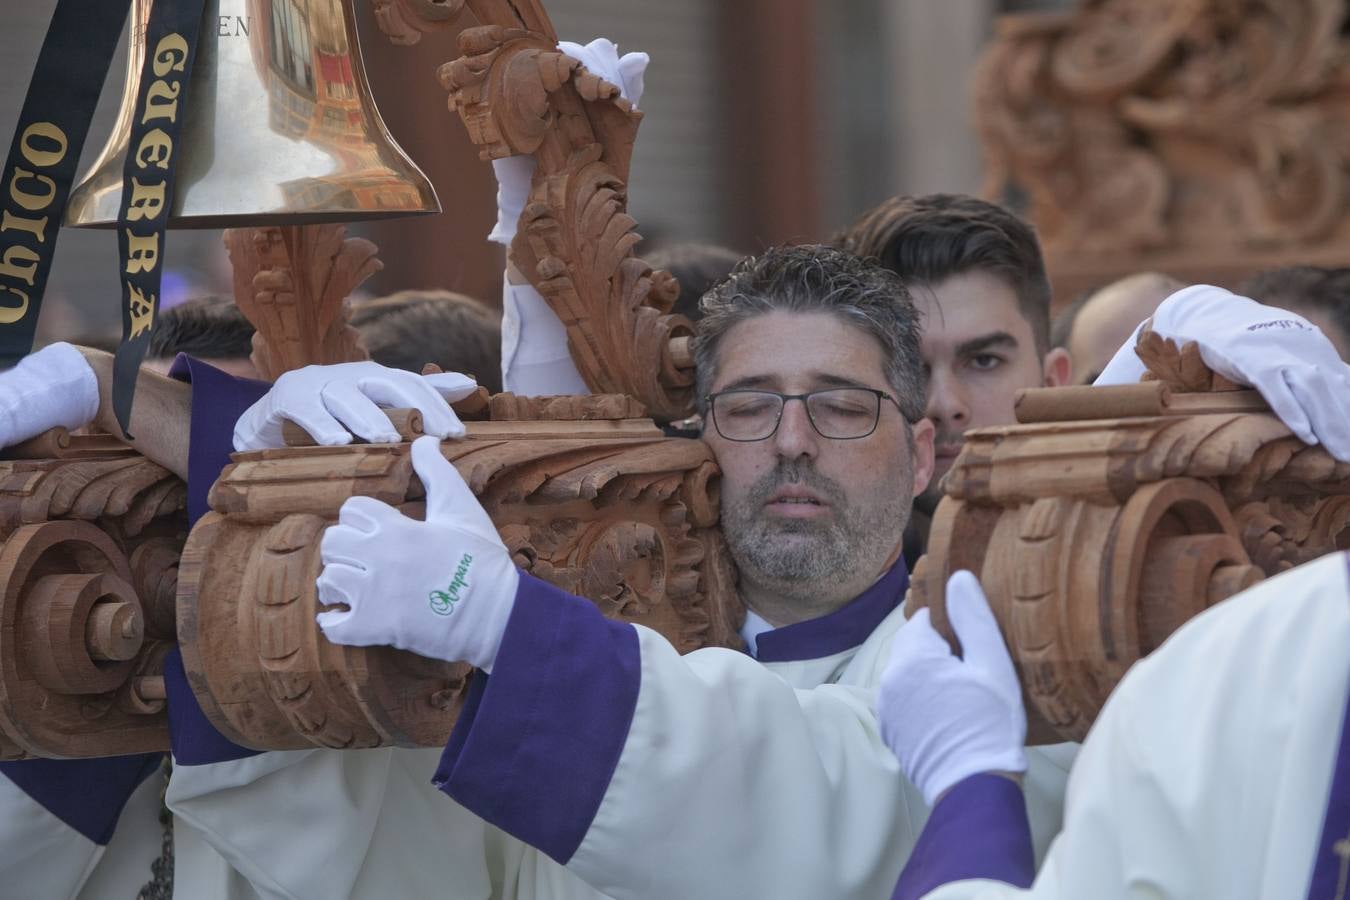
pixel 1100 529
pixel 1204 138
pixel 89 545
pixel 603 508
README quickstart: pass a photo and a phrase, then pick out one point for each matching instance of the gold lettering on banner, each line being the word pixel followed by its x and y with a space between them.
pixel 43 159
pixel 11 314
pixel 1342 849
pixel 35 227
pixel 154 149
pixel 142 310
pixel 146 200
pixel 29 201
pixel 42 145
pixel 142 252
pixel 19 262
pixel 170 55
pixel 161 101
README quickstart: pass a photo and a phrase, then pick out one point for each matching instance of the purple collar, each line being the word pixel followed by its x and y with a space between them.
pixel 840 630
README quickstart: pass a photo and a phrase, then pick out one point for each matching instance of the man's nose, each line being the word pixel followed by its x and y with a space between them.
pixel 796 436
pixel 948 400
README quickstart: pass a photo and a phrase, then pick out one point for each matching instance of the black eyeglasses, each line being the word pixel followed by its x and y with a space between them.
pixel 840 414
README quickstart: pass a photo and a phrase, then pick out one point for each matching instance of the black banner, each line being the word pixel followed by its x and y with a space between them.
pixel 148 181
pixel 52 128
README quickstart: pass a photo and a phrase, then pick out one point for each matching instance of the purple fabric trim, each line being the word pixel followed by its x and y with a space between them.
pixel 194 739
pixel 978 830
pixel 537 742
pixel 218 400
pixel 1333 850
pixel 842 629
pixel 86 794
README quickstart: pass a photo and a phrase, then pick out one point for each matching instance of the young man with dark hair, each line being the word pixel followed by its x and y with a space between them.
pixel 977 277
pixel 1319 294
pixel 211 329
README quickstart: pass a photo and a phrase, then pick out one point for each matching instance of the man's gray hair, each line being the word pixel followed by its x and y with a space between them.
pixel 816 278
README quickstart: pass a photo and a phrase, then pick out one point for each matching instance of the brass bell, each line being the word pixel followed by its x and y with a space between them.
pixel 280 127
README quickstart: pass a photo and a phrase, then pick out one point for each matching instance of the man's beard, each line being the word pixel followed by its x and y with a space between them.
pixel 932 495
pixel 806 558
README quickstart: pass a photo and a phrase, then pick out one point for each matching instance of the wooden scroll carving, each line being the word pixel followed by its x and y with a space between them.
pixel 1100 530
pixel 1205 138
pixel 604 508
pixel 292 283
pixel 89 543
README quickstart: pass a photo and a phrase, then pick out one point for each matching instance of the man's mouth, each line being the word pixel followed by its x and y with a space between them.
pixel 796 501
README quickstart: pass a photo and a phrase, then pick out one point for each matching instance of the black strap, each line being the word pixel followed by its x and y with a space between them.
pixel 153 152
pixel 64 90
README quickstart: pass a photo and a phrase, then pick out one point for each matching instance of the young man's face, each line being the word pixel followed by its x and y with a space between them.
pixel 806 515
pixel 979 352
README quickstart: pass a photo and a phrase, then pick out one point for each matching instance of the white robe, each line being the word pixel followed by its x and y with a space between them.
pixel 1207 774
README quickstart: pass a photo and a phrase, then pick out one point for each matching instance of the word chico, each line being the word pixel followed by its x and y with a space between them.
pixel 146 207
pixel 28 195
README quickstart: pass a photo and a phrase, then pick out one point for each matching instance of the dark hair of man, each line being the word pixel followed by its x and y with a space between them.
pixel 813 278
pixel 409 329
pixel 697 267
pixel 205 327
pixel 1296 288
pixel 928 239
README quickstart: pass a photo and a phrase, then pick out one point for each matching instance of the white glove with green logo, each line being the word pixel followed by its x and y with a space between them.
pixel 442 588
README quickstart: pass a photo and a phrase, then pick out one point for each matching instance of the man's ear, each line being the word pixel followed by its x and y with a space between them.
pixel 1056 368
pixel 923 454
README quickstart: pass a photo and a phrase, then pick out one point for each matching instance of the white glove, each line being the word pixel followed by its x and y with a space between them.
pixel 52 387
pixel 947 718
pixel 442 588
pixel 334 402
pixel 1281 354
pixel 514 173
pixel 535 358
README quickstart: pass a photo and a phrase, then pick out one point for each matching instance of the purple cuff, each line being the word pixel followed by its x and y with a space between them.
pixel 86 794
pixel 537 742
pixel 978 830
pixel 194 739
pixel 218 400
pixel 1329 866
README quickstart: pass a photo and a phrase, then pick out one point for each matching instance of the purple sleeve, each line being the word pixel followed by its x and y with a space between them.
pixel 218 400
pixel 537 742
pixel 978 830
pixel 86 794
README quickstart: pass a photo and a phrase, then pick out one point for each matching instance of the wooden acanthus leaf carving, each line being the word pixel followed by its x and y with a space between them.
pixel 612 511
pixel 405 21
pixel 292 283
pixel 1100 529
pixel 517 94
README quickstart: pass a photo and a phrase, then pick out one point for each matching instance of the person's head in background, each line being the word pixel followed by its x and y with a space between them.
pixel 697 267
pixel 409 329
pixel 211 329
pixel 1094 326
pixel 1319 294
pixel 977 277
